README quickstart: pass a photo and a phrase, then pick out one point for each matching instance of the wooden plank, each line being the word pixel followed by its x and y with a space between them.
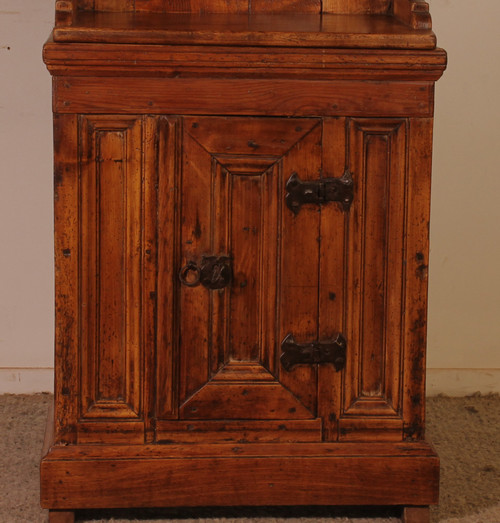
pixel 417 449
pixel 370 429
pixel 116 6
pixel 297 7
pixel 167 380
pixel 294 480
pixel 248 250
pixel 416 276
pixel 220 6
pixel 66 254
pixel 332 269
pixel 285 30
pixel 111 433
pixel 192 6
pixel 299 260
pixel 267 431
pixel 244 401
pixel 195 224
pixel 150 169
pixel 242 97
pixel 357 7
pixel 69 59
pixel 243 6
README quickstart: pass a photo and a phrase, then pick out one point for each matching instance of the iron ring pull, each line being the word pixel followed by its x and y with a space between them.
pixel 190 267
pixel 213 272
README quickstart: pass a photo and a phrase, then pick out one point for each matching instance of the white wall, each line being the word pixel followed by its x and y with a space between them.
pixel 464 300
pixel 464 307
pixel 26 276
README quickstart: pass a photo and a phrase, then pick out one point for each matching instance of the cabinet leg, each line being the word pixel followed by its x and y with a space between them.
pixel 61 516
pixel 416 515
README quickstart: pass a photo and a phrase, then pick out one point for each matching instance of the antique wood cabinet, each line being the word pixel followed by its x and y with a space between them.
pixel 241 244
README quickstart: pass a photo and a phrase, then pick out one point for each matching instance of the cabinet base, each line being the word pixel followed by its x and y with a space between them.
pixel 126 476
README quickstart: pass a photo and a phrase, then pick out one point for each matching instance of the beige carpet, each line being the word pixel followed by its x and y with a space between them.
pixel 465 431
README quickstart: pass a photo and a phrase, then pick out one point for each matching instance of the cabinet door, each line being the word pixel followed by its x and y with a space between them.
pixel 221 194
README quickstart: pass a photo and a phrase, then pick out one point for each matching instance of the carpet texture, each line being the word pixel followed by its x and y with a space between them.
pixel 465 432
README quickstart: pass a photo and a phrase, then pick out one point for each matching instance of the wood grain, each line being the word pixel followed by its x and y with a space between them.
pixel 228 330
pixel 149 218
pixel 260 431
pixel 332 272
pixel 165 379
pixel 110 282
pixel 287 30
pixel 377 159
pixel 177 125
pixel 356 7
pixel 67 261
pixel 414 13
pixel 243 97
pixel 70 59
pixel 416 277
pixel 417 449
pixel 406 10
pixel 294 479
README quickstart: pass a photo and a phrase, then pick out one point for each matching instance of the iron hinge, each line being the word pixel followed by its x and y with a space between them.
pixel 319 191
pixel 315 352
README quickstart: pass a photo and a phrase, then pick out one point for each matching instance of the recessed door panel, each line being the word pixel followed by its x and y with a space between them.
pixel 375 312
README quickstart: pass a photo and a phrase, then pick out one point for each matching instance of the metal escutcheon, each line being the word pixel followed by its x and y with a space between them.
pixel 213 272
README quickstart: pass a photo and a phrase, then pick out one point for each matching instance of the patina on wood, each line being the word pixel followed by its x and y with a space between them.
pixel 181 269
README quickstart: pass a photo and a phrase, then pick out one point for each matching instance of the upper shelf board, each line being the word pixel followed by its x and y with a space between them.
pixel 279 30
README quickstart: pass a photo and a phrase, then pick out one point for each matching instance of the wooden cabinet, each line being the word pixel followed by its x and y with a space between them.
pixel 241 217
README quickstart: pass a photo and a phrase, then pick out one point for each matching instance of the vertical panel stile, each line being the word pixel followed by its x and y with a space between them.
pixel 299 268
pixel 332 276
pixel 220 237
pixel 416 281
pixel 66 254
pixel 195 230
pixel 88 261
pixel 150 164
pixel 134 253
pixel 270 242
pixel 168 190
pixel 394 306
pixel 355 249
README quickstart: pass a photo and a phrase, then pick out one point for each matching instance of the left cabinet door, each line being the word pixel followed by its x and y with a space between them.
pixel 111 217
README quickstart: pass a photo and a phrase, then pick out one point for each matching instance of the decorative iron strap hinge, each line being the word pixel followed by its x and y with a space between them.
pixel 319 191
pixel 328 351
